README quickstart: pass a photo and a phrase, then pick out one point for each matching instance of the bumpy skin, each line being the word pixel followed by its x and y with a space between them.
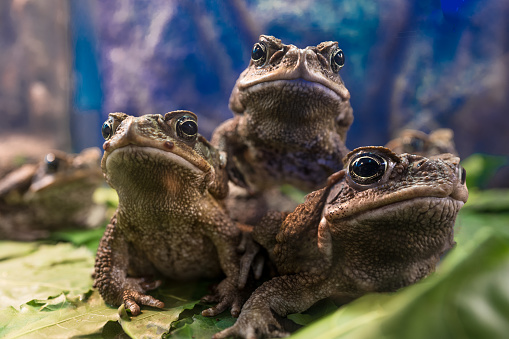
pixel 416 142
pixel 54 194
pixel 349 239
pixel 170 221
pixel 291 116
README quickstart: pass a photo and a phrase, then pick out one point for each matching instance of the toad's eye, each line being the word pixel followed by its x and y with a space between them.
pixel 417 144
pixel 52 163
pixel 107 129
pixel 187 128
pixel 337 60
pixel 259 54
pixel 367 168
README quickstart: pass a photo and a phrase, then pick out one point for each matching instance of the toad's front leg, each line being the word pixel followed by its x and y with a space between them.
pixel 230 292
pixel 111 266
pixel 281 295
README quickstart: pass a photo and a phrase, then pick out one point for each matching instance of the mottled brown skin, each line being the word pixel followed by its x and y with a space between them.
pixel 417 142
pixel 54 194
pixel 349 239
pixel 170 221
pixel 291 115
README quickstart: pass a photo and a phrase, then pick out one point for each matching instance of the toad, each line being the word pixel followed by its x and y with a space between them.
pixel 56 193
pixel 291 116
pixel 417 142
pixel 170 221
pixel 380 224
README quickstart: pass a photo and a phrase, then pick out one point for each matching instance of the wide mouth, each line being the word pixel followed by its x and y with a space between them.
pixel 146 155
pixel 90 176
pixel 407 209
pixel 307 79
pixel 296 87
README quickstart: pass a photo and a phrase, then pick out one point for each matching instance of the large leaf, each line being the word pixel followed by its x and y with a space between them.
pixel 152 323
pixel 13 249
pixel 481 167
pixel 199 326
pixel 59 317
pixel 40 271
pixel 85 237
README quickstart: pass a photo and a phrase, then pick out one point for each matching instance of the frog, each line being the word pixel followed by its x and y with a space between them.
pixel 52 194
pixel 170 223
pixel 438 141
pixel 291 116
pixel 380 224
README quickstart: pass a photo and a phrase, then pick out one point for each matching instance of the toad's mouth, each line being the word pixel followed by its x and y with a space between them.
pixel 133 155
pixel 91 176
pixel 430 208
pixel 299 88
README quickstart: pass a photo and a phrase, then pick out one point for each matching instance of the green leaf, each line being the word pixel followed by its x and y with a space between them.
pixel 317 311
pixel 40 271
pixel 59 317
pixel 467 298
pixel 202 327
pixel 153 322
pixel 106 195
pixel 88 237
pixel 295 194
pixel 13 249
pixel 488 201
pixel 481 167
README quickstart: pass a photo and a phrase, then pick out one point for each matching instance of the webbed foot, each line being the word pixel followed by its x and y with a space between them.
pixel 253 324
pixel 227 295
pixel 133 298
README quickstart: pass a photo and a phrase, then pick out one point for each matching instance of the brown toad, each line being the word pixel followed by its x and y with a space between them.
pixel 380 224
pixel 291 115
pixel 170 221
pixel 54 194
pixel 417 142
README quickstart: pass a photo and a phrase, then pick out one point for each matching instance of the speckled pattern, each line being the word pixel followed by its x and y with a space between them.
pixel 54 194
pixel 292 113
pixel 349 239
pixel 170 220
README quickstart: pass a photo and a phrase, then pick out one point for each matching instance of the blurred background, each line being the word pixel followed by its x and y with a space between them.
pixel 64 65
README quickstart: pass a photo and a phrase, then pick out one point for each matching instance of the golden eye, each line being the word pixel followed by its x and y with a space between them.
pixel 367 168
pixel 187 128
pixel 337 60
pixel 259 54
pixel 107 129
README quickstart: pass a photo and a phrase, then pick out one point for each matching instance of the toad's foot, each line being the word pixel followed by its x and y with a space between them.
pixel 253 324
pixel 251 259
pixel 226 294
pixel 132 298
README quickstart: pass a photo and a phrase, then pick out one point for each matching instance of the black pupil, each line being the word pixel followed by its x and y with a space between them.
pixel 339 58
pixel 106 130
pixel 189 128
pixel 52 165
pixel 417 144
pixel 257 53
pixel 366 167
